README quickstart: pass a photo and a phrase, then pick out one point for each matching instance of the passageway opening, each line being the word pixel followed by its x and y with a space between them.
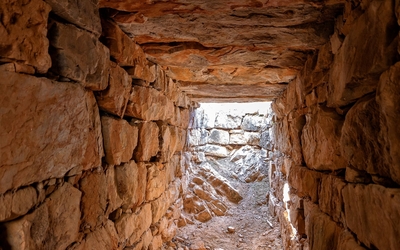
pixel 225 204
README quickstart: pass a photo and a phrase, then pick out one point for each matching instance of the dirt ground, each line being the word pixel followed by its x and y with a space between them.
pixel 253 227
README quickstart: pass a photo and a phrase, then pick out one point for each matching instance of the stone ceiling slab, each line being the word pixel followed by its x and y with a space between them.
pixel 225 42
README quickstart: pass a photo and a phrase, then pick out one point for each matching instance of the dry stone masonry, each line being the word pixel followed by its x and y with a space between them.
pixel 224 143
pixel 96 97
pixel 335 176
pixel 91 133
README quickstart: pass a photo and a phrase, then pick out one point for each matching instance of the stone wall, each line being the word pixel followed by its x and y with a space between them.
pixel 336 169
pixel 224 145
pixel 91 133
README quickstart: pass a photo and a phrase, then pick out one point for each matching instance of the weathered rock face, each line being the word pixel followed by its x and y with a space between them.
pixel 94 111
pixel 70 60
pixel 41 229
pixel 120 139
pixel 349 83
pixel 348 94
pixel 31 152
pixel 378 230
pixel 23 34
pixel 320 140
pixel 91 136
pixel 210 53
pixel 228 137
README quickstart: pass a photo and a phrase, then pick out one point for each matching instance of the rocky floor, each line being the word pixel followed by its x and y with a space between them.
pixel 246 225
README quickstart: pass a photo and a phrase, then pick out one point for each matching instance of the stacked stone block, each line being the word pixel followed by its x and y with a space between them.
pixel 336 138
pixel 235 135
pixel 91 133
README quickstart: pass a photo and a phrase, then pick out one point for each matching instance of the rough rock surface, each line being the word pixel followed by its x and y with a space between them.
pixel 115 98
pixel 338 187
pixel 210 53
pixel 324 153
pixel 70 60
pixel 84 14
pixel 41 229
pixel 377 230
pixel 120 139
pixel 30 153
pixel 24 37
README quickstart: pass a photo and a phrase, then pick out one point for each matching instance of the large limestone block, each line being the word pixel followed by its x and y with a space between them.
pixel 144 242
pixel 53 225
pixel 148 142
pixel 218 136
pixel 173 168
pixel 214 150
pixel 15 204
pixel 296 125
pixel 149 104
pixel 180 118
pixel 105 237
pixel 170 139
pixel 227 121
pixel 348 242
pixel 253 123
pixel 123 49
pixel 184 118
pixel 168 230
pixel 296 213
pixel 171 90
pixel 156 181
pixel 219 183
pixel 142 70
pixel 78 55
pixel 330 197
pixel 387 97
pixel 281 136
pixel 236 137
pixel 156 243
pixel 120 139
pixel 265 140
pixel 182 134
pixel 321 140
pixel 115 98
pixel 131 184
pixel 113 199
pixel 161 79
pixel 322 232
pixel 94 198
pixel 308 78
pixel 363 142
pixel 197 137
pixel 372 213
pixel 279 105
pixel 306 182
pixel 46 129
pixel 84 14
pixel 252 138
pixel 183 100
pixel 126 52
pixel 23 33
pixel 355 72
pixel 132 226
pixel 160 206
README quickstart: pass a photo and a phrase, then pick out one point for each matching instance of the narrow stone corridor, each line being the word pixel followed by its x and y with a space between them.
pixel 230 143
pixel 99 149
